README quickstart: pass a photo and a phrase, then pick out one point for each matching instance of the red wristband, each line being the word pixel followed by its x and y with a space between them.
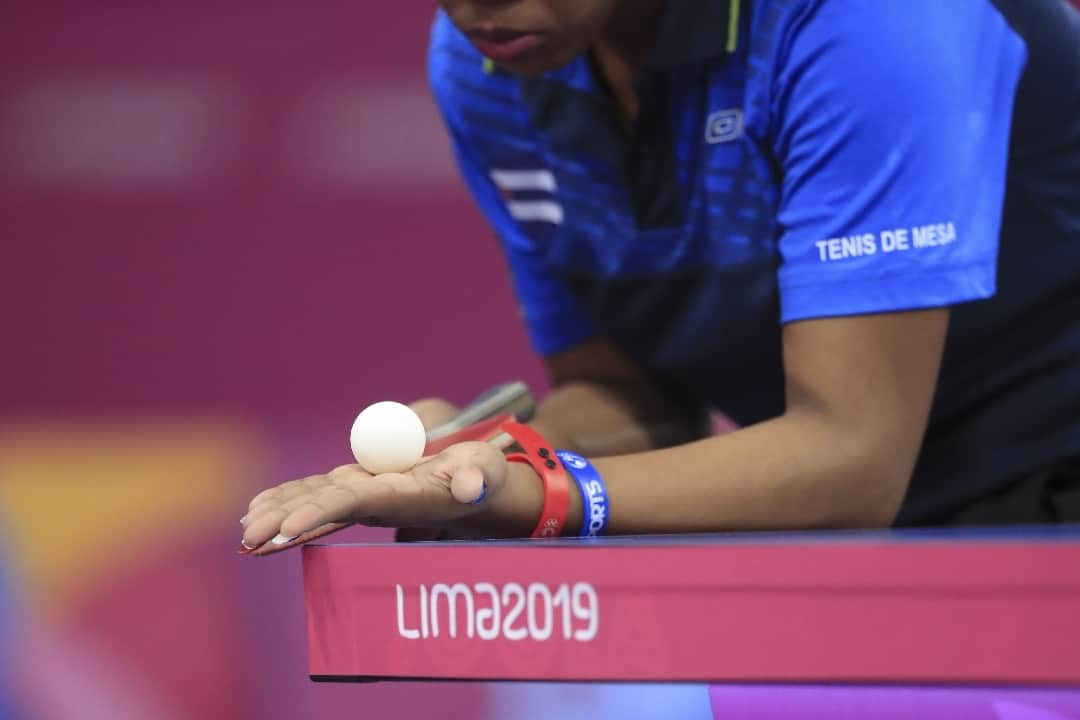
pixel 538 453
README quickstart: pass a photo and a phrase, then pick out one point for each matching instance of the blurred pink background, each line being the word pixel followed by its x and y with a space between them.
pixel 225 229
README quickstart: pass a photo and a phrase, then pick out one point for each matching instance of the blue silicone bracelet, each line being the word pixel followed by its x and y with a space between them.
pixel 594 496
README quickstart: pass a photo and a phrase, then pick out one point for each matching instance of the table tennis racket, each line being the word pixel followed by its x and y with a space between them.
pixel 480 420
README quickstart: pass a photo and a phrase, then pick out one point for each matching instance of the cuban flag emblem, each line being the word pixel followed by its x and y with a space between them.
pixel 530 195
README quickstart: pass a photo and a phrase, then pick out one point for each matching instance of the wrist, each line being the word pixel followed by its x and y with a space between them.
pixel 524 500
pixel 515 509
pixel 575 516
pixel 557 439
pixel 528 491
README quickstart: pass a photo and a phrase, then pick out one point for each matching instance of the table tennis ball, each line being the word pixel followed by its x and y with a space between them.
pixel 387 437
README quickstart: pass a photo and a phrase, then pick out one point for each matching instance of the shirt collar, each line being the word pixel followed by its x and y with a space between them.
pixel 694 30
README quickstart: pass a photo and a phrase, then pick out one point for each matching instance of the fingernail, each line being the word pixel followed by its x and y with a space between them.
pixel 280 539
pixel 245 548
pixel 243 520
pixel 483 494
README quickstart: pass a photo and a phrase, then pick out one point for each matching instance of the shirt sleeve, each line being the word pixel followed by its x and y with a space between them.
pixel 554 319
pixel 891 126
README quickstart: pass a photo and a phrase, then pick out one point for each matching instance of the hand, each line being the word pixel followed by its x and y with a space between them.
pixel 439 492
pixel 432 412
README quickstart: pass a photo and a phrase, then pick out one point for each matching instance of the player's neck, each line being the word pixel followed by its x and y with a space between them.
pixel 629 35
pixel 623 48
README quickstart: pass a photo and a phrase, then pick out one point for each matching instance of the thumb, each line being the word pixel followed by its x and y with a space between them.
pixel 472 470
pixel 467 485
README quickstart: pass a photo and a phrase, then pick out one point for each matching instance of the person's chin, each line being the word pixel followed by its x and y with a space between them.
pixel 538 63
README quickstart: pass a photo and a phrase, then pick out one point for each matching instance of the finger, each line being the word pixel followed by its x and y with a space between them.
pixel 268 507
pixel 467 484
pixel 282 543
pixel 463 467
pixel 334 504
pixel 488 460
pixel 274 504
pixel 333 497
pixel 262 528
pixel 286 490
pixel 349 478
pixel 262 497
pixel 282 523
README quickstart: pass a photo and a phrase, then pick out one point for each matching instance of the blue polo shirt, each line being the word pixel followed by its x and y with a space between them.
pixel 798 159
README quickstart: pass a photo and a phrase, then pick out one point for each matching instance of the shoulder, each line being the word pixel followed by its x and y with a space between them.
pixel 923 33
pixel 884 59
pixel 842 17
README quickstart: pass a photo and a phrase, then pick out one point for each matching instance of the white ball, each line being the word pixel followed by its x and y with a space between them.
pixel 387 437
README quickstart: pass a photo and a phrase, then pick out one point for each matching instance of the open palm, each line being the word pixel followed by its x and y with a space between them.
pixel 437 492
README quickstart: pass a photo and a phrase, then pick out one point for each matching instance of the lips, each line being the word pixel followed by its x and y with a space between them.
pixel 502 45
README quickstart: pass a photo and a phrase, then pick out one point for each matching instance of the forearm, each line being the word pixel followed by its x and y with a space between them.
pixel 602 419
pixel 596 419
pixel 858 394
pixel 799 471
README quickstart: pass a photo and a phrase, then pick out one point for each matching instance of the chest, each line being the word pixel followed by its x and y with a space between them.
pixel 666 233
pixel 689 184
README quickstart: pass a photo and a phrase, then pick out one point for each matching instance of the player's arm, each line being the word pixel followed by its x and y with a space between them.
pixel 869 143
pixel 863 335
pixel 842 453
pixel 858 395
pixel 602 404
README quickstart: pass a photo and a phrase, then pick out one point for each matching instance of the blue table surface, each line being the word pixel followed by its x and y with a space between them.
pixel 1039 534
